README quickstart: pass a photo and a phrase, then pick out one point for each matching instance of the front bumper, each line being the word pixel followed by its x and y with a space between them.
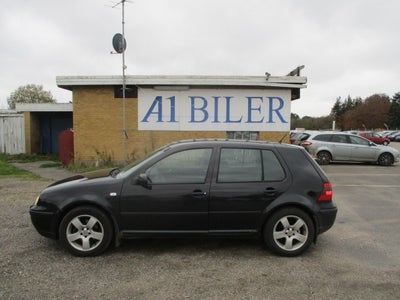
pixel 43 221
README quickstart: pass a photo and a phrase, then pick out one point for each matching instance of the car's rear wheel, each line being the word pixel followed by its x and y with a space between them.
pixel 386 159
pixel 385 143
pixel 289 232
pixel 85 231
pixel 324 157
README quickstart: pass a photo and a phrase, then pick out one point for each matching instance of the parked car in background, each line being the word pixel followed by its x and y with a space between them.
pixel 297 137
pixel 394 136
pixel 375 137
pixel 386 133
pixel 340 146
pixel 193 188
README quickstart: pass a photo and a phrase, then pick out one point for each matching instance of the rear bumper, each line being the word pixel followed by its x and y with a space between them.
pixel 326 219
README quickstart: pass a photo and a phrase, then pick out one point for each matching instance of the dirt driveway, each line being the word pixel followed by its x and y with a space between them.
pixel 357 259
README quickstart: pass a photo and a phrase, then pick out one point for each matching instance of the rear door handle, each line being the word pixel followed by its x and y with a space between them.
pixel 270 192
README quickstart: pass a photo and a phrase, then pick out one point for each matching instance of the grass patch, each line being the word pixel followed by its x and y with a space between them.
pixel 50 165
pixel 26 158
pixel 8 170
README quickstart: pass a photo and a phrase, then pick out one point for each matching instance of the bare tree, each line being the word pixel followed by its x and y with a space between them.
pixel 30 93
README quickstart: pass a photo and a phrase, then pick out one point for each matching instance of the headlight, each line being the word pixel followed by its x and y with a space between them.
pixel 36 200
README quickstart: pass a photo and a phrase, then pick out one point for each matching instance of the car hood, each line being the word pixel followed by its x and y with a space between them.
pixel 87 175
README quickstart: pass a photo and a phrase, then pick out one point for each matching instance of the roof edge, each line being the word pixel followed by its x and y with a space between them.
pixel 67 82
pixel 43 107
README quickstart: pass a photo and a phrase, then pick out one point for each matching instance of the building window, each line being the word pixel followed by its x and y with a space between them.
pixel 243 135
pixel 130 91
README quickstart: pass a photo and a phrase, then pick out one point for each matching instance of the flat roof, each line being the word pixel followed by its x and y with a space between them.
pixel 289 82
pixel 43 107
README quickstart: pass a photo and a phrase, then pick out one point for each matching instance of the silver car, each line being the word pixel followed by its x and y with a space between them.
pixel 340 146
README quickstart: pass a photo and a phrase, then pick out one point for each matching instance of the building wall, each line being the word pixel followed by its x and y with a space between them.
pixel 98 136
pixel 32 133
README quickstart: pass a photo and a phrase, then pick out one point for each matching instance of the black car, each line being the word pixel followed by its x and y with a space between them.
pixel 197 189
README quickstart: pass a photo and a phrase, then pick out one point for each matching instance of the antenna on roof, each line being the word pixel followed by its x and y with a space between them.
pixel 296 72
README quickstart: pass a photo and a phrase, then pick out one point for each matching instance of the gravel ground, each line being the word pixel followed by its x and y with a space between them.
pixel 357 259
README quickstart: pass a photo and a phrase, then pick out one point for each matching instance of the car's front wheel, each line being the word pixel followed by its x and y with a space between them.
pixel 289 232
pixel 386 159
pixel 85 231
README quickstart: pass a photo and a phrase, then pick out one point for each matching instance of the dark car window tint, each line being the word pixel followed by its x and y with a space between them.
pixel 338 138
pixel 323 137
pixel 188 166
pixel 240 165
pixel 273 170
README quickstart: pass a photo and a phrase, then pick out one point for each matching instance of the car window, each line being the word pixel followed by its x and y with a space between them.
pixel 339 138
pixel 323 137
pixel 359 141
pixel 273 170
pixel 189 166
pixel 239 165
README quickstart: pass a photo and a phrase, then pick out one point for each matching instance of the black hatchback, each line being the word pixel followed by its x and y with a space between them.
pixel 193 189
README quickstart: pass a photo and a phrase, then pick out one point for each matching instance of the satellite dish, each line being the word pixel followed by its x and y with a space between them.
pixel 119 43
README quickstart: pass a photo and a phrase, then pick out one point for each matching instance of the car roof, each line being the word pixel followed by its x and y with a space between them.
pixel 314 134
pixel 229 142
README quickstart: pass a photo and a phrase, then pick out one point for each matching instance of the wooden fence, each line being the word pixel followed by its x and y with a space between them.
pixel 12 133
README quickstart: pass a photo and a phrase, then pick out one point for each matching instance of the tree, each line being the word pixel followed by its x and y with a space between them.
pixel 394 112
pixel 340 108
pixel 30 93
pixel 370 114
pixel 311 123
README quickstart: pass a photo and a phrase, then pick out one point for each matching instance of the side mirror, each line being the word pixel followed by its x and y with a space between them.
pixel 144 181
pixel 372 144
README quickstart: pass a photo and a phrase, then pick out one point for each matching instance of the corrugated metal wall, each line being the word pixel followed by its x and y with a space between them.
pixel 12 134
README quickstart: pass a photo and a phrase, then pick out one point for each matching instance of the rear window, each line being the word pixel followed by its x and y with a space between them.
pixel 273 170
pixel 339 138
pixel 249 165
pixel 323 137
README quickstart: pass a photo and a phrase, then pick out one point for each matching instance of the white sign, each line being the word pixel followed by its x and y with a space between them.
pixel 214 110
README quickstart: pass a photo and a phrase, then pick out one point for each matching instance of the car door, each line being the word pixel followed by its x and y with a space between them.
pixel 341 147
pixel 363 149
pixel 174 198
pixel 245 182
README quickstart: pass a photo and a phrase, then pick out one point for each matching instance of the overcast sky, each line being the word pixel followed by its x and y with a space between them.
pixel 348 47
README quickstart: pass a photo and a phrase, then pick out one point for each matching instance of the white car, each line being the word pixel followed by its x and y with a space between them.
pixel 340 146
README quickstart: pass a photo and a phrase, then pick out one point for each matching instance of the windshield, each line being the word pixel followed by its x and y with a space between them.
pixel 133 166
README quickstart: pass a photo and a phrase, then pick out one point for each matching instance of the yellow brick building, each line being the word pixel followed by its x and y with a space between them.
pixel 111 126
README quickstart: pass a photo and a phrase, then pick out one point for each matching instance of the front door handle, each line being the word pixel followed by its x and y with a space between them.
pixel 199 193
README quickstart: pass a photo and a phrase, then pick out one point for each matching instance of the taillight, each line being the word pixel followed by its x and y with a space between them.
pixel 327 193
pixel 305 144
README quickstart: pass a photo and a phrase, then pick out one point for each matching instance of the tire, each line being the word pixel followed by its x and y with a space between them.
pixel 386 159
pixel 385 143
pixel 289 232
pixel 324 157
pixel 85 231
